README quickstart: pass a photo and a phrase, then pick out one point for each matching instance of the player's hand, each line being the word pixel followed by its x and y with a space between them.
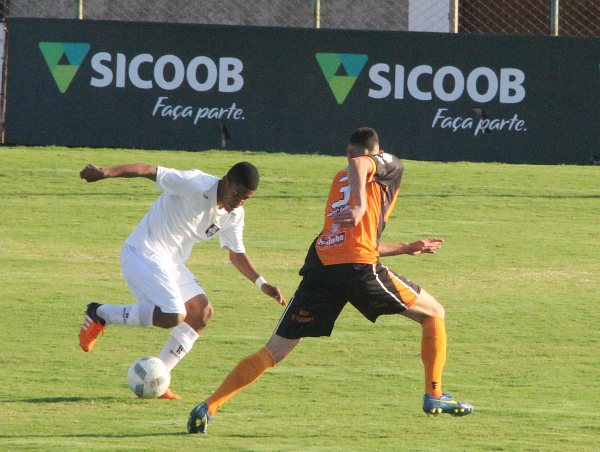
pixel 425 246
pixel 274 292
pixel 92 173
pixel 349 218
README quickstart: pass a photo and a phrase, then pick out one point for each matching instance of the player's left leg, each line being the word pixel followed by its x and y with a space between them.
pixel 182 337
pixel 311 312
pixel 250 369
pixel 247 371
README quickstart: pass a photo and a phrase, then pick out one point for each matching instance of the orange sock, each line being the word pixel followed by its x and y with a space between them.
pixel 247 371
pixel 433 353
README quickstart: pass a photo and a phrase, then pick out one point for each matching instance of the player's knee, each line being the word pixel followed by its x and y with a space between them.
pixel 179 319
pixel 207 313
pixel 280 347
pixel 167 319
pixel 437 310
pixel 199 312
pixel 430 306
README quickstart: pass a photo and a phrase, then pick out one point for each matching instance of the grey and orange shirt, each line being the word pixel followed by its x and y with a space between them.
pixel 358 244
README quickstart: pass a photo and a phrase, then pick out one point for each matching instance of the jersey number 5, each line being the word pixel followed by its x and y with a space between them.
pixel 344 190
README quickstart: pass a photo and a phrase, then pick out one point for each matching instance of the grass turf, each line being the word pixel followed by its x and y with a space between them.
pixel 517 274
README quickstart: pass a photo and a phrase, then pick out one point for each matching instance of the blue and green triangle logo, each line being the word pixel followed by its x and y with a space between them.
pixel 341 71
pixel 63 60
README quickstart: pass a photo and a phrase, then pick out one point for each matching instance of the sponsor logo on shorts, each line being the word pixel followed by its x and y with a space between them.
pixel 303 317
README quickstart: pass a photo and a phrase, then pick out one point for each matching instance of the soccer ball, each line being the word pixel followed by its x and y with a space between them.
pixel 148 377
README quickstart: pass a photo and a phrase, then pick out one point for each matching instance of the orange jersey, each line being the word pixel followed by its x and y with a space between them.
pixel 359 244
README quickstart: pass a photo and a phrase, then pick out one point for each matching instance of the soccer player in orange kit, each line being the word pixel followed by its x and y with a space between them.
pixel 342 265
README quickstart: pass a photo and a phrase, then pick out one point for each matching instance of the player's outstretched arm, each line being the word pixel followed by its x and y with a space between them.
pixel 242 262
pixel 429 246
pixel 92 173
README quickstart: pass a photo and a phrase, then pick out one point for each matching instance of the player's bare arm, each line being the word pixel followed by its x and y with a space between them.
pixel 92 173
pixel 358 170
pixel 242 262
pixel 429 246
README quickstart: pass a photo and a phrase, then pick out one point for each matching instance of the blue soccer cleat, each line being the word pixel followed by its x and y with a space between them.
pixel 444 404
pixel 199 418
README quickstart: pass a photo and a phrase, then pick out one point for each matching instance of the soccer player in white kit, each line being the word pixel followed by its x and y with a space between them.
pixel 194 206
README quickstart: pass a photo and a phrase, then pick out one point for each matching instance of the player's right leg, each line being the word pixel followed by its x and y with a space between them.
pixel 92 326
pixel 99 316
pixel 445 404
pixel 427 311
pixel 153 283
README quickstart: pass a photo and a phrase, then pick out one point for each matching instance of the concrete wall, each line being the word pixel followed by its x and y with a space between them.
pixel 340 14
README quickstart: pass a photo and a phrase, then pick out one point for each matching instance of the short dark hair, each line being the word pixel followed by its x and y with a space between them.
pixel 363 138
pixel 244 174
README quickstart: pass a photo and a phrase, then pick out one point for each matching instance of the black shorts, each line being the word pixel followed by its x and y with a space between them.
pixel 373 289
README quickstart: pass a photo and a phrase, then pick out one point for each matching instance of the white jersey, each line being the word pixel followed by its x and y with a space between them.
pixel 185 214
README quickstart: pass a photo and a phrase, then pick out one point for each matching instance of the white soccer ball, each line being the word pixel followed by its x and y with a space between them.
pixel 148 377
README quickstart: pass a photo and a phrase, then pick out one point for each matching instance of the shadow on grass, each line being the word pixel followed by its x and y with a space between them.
pixel 296 196
pixel 240 435
pixel 72 399
pixel 131 195
pixel 148 195
pixel 95 435
pixel 506 195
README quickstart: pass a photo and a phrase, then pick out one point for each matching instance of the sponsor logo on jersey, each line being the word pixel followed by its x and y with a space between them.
pixel 331 239
pixel 212 230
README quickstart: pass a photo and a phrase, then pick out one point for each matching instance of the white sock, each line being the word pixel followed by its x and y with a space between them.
pixel 135 315
pixel 178 345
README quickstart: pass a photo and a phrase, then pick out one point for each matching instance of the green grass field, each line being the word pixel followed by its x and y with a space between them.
pixel 518 275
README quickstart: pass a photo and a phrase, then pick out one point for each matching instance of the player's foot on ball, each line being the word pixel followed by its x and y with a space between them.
pixel 93 325
pixel 445 404
pixel 199 418
pixel 169 395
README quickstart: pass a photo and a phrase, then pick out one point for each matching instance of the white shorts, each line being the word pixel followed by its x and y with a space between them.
pixel 152 278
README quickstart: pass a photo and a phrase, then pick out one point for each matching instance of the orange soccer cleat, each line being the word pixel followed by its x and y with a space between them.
pixel 169 395
pixel 92 326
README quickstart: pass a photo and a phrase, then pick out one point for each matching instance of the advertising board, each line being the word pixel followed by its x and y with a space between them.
pixel 431 96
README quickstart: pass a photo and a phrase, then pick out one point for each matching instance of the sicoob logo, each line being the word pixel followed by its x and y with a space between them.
pixel 341 71
pixel 63 60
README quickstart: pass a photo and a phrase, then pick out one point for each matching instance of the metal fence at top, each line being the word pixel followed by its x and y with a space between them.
pixel 523 17
pixel 529 17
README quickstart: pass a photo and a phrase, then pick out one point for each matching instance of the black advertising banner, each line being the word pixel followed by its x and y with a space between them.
pixel 431 96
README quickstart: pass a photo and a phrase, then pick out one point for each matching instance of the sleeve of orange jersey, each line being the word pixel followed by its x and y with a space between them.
pixel 360 171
